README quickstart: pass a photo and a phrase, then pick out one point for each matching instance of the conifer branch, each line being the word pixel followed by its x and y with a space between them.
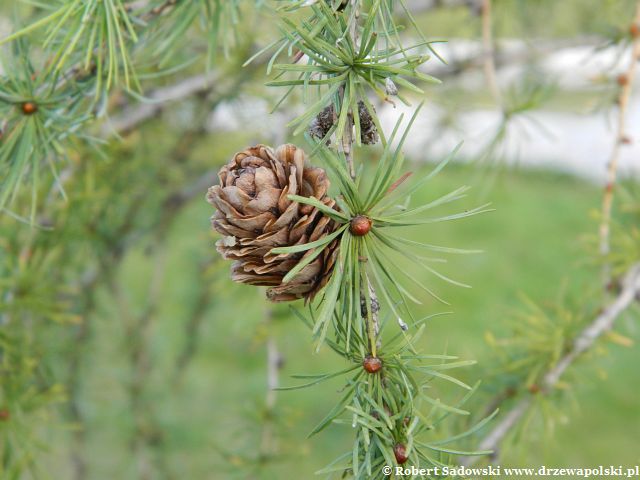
pixel 582 343
pixel 348 140
pixel 625 82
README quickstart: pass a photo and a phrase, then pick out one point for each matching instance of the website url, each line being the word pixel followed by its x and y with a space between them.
pixel 499 471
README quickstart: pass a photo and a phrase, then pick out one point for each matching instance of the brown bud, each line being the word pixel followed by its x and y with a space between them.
pixel 4 415
pixel 368 130
pixel 634 30
pixel 372 364
pixel 360 225
pixel 29 108
pixel 622 79
pixel 321 125
pixel 534 388
pixel 626 140
pixel 400 452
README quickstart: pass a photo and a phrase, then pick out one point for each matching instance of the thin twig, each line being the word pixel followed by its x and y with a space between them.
pixel 626 81
pixel 417 7
pixel 583 342
pixel 160 9
pixel 347 148
pixel 347 138
pixel 137 114
pixel 268 446
pixel 226 84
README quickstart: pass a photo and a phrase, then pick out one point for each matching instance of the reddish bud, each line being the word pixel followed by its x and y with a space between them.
pixel 400 452
pixel 4 415
pixel 360 225
pixel 626 140
pixel 608 187
pixel 372 364
pixel 634 30
pixel 622 79
pixel 533 388
pixel 29 108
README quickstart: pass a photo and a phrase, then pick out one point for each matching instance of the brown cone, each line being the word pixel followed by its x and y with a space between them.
pixel 255 215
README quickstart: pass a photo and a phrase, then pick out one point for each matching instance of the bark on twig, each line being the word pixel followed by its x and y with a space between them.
pixel 583 342
pixel 421 6
pixel 135 115
pixel 347 148
pixel 626 84
pixel 274 363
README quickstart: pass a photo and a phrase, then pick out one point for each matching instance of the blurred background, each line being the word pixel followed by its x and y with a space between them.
pixel 128 353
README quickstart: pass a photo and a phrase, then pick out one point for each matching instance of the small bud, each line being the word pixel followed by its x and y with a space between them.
pixel 534 389
pixel 360 225
pixel 626 140
pixel 4 415
pixel 29 108
pixel 634 30
pixel 400 452
pixel 372 364
pixel 622 79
